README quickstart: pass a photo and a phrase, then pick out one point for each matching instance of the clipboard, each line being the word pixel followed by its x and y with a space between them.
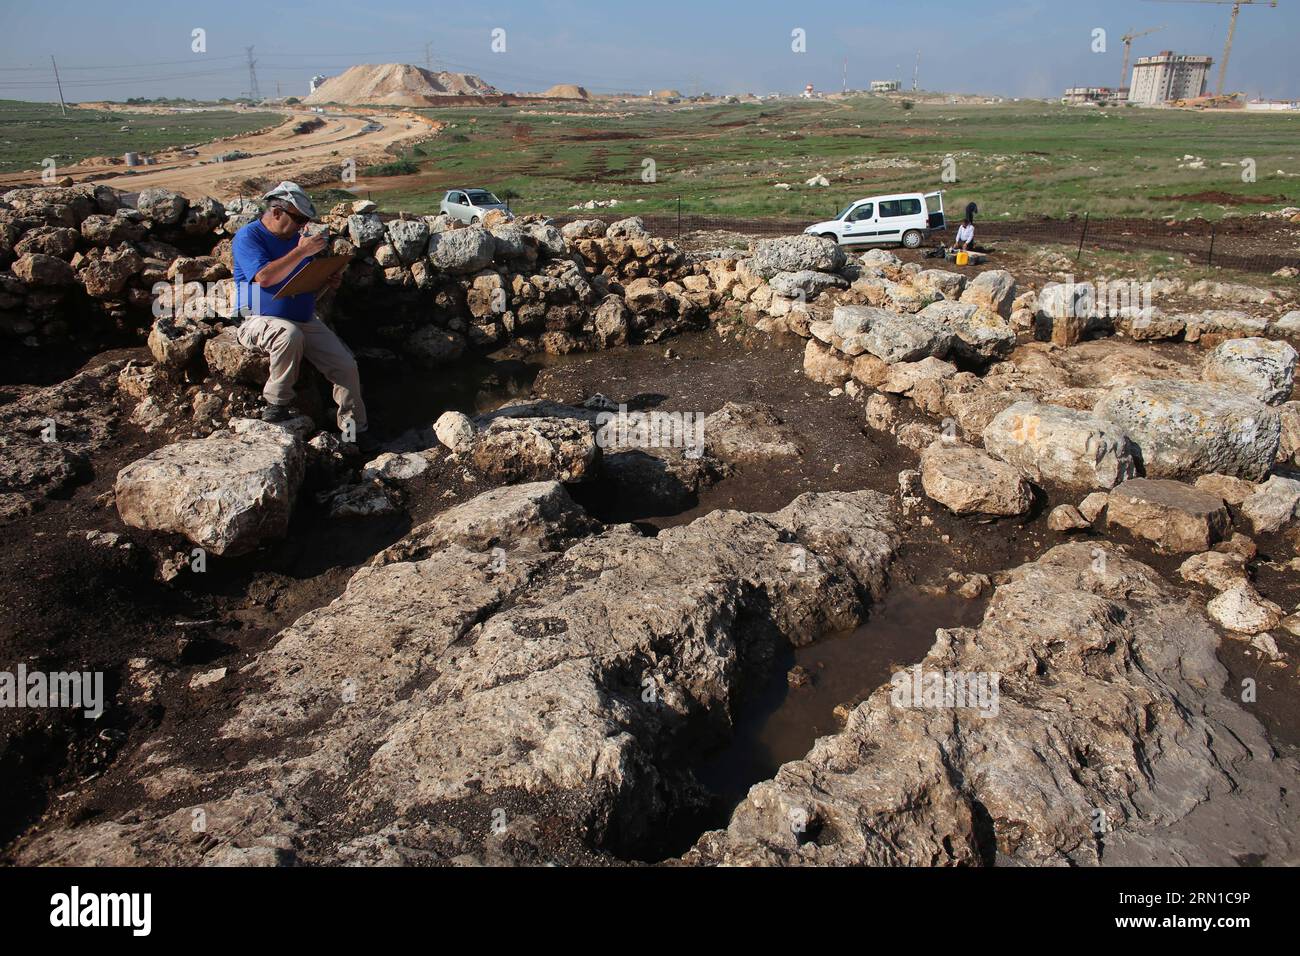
pixel 312 277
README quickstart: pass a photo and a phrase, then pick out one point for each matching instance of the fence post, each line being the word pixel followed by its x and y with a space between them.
pixel 1082 236
pixel 1211 256
pixel 679 218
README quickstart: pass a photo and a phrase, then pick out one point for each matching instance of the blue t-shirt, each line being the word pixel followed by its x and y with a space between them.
pixel 253 247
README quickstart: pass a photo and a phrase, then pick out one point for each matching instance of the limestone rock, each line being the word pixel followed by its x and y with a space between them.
pixel 796 254
pixel 1214 569
pixel 1067 518
pixel 1100 664
pixel 748 431
pixel 825 365
pixel 409 238
pixel 227 358
pixel 584 229
pixel 1093 505
pixel 1262 368
pixel 1243 610
pixel 979 334
pixel 1272 505
pixel 967 481
pixel 1188 429
pixel 889 336
pixel 227 493
pixel 432 347
pixel 1055 444
pixel 462 251
pixel 536 449
pixel 994 290
pixel 804 285
pixel 1173 515
pixel 455 431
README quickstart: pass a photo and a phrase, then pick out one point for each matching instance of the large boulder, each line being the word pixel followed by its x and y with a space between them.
pixel 175 341
pixel 796 254
pixel 969 482
pixel 632 227
pixel 584 229
pixel 994 290
pixel 227 358
pixel 1263 368
pixel 748 432
pixel 227 493
pixel 804 285
pixel 409 238
pixel 42 271
pixel 58 241
pixel 106 275
pixel 889 336
pixel 1078 725
pixel 939 282
pixel 536 449
pixel 1071 448
pixel 1272 505
pixel 163 206
pixel 366 231
pixel 462 251
pixel 980 335
pixel 202 217
pixel 1172 515
pixel 1187 429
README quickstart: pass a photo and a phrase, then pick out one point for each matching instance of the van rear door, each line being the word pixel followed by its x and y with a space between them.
pixel 934 206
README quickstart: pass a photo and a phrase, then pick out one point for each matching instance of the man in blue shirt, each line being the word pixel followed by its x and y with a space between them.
pixel 267 253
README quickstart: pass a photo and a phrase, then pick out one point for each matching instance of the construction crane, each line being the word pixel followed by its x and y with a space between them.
pixel 1232 28
pixel 1128 39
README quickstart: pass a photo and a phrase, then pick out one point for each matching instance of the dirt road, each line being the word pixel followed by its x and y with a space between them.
pixel 278 153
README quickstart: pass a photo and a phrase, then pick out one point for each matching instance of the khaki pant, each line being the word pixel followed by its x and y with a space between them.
pixel 288 343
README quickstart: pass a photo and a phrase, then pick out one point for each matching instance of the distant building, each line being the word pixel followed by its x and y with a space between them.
pixel 809 92
pixel 1168 76
pixel 886 86
pixel 1094 95
pixel 316 81
pixel 1272 105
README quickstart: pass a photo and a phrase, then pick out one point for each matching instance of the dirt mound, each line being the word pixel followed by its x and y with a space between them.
pixel 396 84
pixel 567 91
pixel 667 95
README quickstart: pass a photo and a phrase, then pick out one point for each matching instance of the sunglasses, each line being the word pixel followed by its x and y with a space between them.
pixel 298 218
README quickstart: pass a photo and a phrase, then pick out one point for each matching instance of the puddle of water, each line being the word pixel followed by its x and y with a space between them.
pixel 779 723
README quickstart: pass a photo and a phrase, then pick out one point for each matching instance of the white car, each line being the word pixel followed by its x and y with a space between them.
pixel 471 205
pixel 902 218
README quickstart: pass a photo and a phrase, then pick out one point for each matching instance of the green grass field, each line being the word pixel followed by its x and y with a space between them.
pixel 1014 159
pixel 31 132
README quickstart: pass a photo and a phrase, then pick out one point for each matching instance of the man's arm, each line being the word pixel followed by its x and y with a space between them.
pixel 280 269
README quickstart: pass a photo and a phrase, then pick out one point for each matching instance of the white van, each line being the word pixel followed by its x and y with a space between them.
pixel 903 218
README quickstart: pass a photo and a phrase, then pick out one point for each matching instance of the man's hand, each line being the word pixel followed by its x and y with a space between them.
pixel 311 245
pixel 334 281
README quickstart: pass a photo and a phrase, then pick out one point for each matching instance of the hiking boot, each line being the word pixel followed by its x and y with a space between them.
pixel 276 414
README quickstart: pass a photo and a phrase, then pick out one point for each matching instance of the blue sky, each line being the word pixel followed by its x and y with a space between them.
pixel 1025 48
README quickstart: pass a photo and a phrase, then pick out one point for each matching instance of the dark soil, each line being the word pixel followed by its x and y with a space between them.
pixel 65 605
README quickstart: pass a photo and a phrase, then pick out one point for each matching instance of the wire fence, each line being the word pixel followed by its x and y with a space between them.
pixel 1246 244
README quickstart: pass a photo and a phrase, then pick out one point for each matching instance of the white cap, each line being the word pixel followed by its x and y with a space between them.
pixel 292 194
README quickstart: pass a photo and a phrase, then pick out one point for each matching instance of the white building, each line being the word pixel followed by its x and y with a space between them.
pixel 886 86
pixel 1168 76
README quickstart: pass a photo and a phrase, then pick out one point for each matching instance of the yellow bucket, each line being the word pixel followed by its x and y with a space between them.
pixel 963 259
